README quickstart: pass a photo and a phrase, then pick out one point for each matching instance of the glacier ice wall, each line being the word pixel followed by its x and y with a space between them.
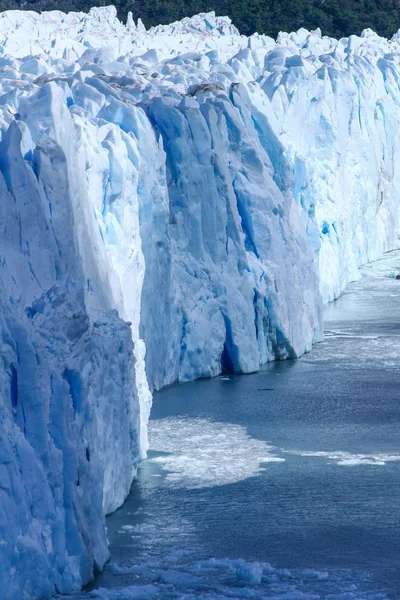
pixel 336 112
pixel 332 104
pixel 70 419
pixel 170 202
pixel 67 380
pixel 240 286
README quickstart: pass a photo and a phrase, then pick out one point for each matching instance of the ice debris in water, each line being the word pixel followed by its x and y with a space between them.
pixel 349 459
pixel 177 575
pixel 250 573
pixel 202 453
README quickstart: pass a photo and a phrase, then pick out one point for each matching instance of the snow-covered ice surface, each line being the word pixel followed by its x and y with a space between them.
pixel 186 180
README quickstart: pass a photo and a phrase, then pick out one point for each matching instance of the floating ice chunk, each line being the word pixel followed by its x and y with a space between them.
pixel 250 573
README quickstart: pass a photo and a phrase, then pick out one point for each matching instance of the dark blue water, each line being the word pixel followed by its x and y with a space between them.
pixel 326 516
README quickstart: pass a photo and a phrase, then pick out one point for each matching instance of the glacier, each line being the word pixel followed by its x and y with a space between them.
pixel 175 203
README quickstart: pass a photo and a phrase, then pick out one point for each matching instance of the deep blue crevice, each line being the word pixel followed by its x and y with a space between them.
pixel 247 225
pixel 14 387
pixel 229 356
pixel 255 302
pixel 74 381
pixel 325 228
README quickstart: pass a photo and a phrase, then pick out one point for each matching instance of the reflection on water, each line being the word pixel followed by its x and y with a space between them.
pixel 295 467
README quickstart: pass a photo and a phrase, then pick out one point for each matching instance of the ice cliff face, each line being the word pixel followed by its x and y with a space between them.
pixel 69 412
pixel 332 104
pixel 168 200
pixel 336 105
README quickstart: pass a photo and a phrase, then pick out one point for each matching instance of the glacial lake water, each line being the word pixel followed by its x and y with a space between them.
pixel 296 468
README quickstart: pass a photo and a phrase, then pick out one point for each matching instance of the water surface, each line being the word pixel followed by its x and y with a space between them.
pixel 296 468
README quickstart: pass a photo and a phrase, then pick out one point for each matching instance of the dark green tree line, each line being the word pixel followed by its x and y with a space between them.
pixel 336 18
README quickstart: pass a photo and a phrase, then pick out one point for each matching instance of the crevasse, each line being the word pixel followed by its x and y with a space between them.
pixel 174 203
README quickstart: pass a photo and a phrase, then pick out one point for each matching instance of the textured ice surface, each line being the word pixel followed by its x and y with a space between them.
pixel 186 180
pixel 189 186
pixel 250 573
pixel 69 416
pixel 203 453
pixel 129 193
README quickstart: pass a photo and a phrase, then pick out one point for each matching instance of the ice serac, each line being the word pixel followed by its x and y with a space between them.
pixel 171 200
